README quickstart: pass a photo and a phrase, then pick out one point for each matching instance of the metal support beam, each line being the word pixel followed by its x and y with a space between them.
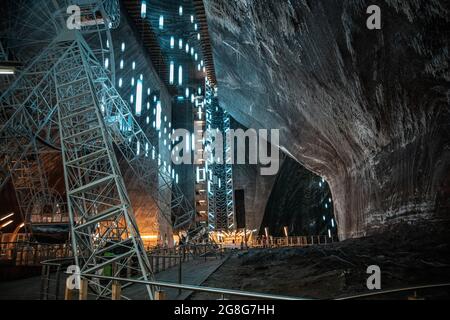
pixel 94 183
pixel 220 175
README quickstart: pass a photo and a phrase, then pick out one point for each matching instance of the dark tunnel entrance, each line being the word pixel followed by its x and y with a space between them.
pixel 300 201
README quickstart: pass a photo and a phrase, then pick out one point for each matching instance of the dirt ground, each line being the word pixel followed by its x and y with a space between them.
pixel 407 256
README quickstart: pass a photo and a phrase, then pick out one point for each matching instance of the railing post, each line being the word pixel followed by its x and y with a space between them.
pixel 43 284
pixel 68 293
pixel 180 274
pixel 58 280
pixel 160 295
pixel 116 290
pixel 83 294
pixel 164 262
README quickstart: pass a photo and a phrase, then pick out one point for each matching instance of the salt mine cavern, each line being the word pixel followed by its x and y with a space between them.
pixel 198 150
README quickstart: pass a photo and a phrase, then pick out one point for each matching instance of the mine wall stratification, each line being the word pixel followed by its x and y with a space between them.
pixel 367 110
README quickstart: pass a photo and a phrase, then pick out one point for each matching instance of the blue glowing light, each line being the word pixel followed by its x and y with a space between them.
pixel 143 9
pixel 172 70
pixel 158 115
pixel 180 75
pixel 139 98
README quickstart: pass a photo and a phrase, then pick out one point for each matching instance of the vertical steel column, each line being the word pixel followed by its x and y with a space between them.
pixel 105 236
pixel 220 175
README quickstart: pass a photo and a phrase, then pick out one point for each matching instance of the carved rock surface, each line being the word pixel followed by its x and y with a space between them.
pixel 367 110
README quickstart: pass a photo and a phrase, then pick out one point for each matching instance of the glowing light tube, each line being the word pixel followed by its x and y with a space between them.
pixel 143 9
pixel 139 98
pixel 172 66
pixel 158 116
pixel 180 75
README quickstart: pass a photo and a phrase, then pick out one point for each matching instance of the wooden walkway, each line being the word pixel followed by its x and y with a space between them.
pixel 194 272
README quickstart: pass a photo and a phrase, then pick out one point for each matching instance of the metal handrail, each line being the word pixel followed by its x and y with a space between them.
pixel 54 262
pixel 49 267
pixel 365 295
pixel 199 288
pixel 242 293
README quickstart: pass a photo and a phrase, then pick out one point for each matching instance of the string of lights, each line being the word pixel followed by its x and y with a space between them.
pixel 177 31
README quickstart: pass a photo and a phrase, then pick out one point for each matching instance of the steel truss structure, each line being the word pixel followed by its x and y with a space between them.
pixel 201 181
pixel 104 230
pixel 65 98
pixel 221 213
pixel 28 111
pixel 38 203
pixel 27 120
pixel 140 153
pixel 30 30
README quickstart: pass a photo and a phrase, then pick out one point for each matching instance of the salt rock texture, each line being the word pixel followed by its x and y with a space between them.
pixel 368 110
pixel 257 190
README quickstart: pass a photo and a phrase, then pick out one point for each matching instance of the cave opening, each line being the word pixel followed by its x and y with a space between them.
pixel 300 204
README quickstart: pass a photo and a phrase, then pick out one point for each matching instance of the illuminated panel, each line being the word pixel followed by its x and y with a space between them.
pixel 139 98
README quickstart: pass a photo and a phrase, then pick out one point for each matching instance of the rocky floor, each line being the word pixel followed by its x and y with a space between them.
pixel 408 256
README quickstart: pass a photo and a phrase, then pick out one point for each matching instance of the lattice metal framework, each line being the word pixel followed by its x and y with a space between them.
pixel 140 153
pixel 220 170
pixel 66 97
pixel 27 111
pixel 201 181
pixel 28 105
pixel 104 230
pixel 38 203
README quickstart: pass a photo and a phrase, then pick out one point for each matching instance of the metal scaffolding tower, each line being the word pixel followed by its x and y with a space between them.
pixel 201 181
pixel 219 166
pixel 38 202
pixel 27 111
pixel 140 153
pixel 65 98
pixel 104 231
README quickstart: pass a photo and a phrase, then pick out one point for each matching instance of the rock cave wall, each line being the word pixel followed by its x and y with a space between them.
pixel 368 110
